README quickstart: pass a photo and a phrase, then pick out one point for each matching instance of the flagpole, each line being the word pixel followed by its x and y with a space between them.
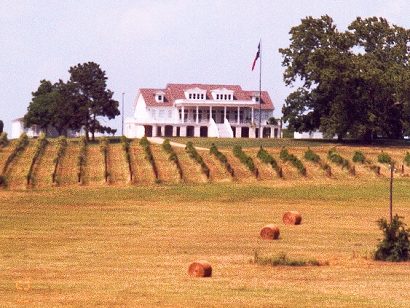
pixel 260 88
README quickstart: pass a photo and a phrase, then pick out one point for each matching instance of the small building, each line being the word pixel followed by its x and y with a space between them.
pixel 308 135
pixel 202 110
pixel 17 128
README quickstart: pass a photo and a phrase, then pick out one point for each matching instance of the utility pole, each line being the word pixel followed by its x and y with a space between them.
pixel 391 191
pixel 122 115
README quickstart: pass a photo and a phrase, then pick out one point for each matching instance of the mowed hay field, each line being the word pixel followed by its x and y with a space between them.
pixel 132 246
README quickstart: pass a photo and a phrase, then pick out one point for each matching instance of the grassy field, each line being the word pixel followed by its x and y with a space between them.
pixel 131 246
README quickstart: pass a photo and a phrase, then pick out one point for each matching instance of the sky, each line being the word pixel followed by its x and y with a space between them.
pixel 147 44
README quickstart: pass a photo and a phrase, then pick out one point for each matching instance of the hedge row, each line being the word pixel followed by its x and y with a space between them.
pixel 166 145
pixel 22 143
pixel 192 152
pixel 125 142
pixel 62 146
pixel 40 147
pixel 336 158
pixel 266 158
pixel 222 158
pixel 82 158
pixel 245 159
pixel 104 143
pixel 3 139
pixel 148 156
pixel 285 156
pixel 315 158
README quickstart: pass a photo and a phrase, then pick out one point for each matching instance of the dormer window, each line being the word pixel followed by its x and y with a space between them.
pixel 195 93
pixel 255 97
pixel 222 94
pixel 159 97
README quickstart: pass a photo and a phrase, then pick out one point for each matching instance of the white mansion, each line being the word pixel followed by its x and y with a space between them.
pixel 201 110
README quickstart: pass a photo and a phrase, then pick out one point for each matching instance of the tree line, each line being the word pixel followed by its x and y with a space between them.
pixel 76 104
pixel 353 83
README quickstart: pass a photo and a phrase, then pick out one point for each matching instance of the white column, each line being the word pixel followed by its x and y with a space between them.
pixel 224 113
pixel 197 115
pixel 252 115
pixel 239 115
pixel 183 114
pixel 174 131
pixel 210 113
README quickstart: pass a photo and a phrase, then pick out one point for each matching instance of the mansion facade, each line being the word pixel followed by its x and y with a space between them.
pixel 202 110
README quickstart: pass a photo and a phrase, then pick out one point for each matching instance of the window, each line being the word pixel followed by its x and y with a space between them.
pixel 190 95
pixel 160 97
pixel 202 96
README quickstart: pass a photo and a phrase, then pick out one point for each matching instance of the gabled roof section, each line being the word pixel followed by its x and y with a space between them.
pixel 174 91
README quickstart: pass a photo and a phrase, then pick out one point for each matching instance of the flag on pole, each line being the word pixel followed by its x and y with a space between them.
pixel 257 56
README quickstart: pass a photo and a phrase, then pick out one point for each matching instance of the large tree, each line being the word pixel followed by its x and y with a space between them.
pixel 352 83
pixel 52 105
pixel 92 98
pixel 1 126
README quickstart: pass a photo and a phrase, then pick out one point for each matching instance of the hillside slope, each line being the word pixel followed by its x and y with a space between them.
pixel 143 173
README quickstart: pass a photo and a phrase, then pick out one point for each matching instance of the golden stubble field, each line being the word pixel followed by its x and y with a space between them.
pixel 132 245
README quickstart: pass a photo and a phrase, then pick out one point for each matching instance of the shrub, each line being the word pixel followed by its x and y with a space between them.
pixel 22 143
pixel 104 143
pixel 384 158
pixel 125 142
pixel 222 158
pixel 285 156
pixel 312 156
pixel 40 147
pixel 144 142
pixel 265 157
pixel 3 139
pixel 282 260
pixel 62 146
pixel 395 245
pixel 358 157
pixel 245 159
pixel 82 158
pixel 166 145
pixel 336 158
pixel 192 152
pixel 407 159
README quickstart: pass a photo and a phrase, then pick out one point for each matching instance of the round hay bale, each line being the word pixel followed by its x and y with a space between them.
pixel 200 268
pixel 270 232
pixel 292 218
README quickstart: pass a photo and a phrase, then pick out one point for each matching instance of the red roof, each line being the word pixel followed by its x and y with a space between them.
pixel 174 91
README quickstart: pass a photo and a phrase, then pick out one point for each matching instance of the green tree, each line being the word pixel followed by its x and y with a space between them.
pixel 92 98
pixel 348 81
pixel 51 106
